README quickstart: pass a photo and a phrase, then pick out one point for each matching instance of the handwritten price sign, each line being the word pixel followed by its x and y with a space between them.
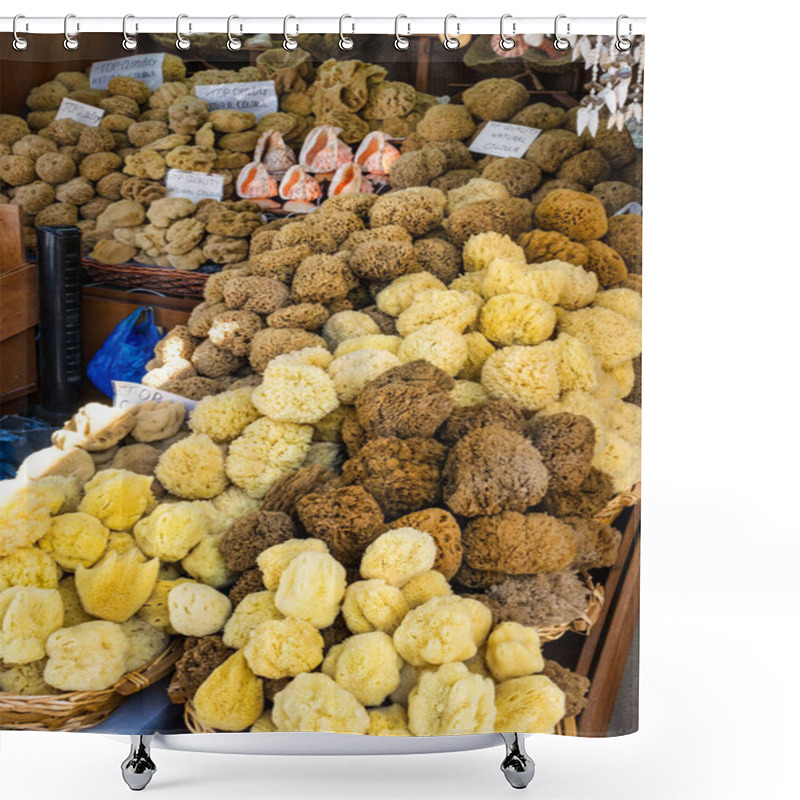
pixel 505 140
pixel 127 394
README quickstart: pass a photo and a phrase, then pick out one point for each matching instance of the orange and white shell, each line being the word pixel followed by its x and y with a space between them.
pixel 323 150
pixel 375 154
pixel 255 182
pixel 349 180
pixel 278 156
pixel 297 184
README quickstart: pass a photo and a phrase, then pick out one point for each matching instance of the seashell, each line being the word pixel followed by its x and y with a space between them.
pixel 323 150
pixel 375 154
pixel 297 184
pixel 299 207
pixel 255 182
pixel 279 156
pixel 349 180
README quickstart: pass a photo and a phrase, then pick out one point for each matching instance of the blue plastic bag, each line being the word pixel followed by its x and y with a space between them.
pixel 125 352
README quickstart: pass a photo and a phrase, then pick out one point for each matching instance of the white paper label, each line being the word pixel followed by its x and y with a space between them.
pixel 194 185
pixel 503 139
pixel 127 394
pixel 80 112
pixel 148 69
pixel 257 97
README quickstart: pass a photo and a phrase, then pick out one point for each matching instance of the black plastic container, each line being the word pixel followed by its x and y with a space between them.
pixel 60 338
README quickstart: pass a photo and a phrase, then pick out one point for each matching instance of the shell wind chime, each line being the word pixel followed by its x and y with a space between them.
pixel 615 83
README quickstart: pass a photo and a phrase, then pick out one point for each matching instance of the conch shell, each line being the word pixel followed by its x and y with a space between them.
pixel 323 150
pixel 254 181
pixel 348 180
pixel 297 184
pixel 375 154
pixel 279 156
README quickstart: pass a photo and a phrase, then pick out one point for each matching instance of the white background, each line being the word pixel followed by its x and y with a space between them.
pixel 719 665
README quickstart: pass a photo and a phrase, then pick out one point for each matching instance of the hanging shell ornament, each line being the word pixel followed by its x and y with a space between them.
pixel 298 186
pixel 323 151
pixel 254 181
pixel 375 154
pixel 348 179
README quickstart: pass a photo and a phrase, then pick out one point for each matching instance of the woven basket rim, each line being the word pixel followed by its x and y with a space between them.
pixel 62 707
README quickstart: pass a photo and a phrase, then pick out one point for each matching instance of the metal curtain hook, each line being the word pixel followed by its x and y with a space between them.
pixel 181 42
pixel 400 42
pixel 288 42
pixel 129 42
pixel 346 42
pixel 623 43
pixel 450 42
pixel 507 42
pixel 19 43
pixel 70 41
pixel 560 43
pixel 233 43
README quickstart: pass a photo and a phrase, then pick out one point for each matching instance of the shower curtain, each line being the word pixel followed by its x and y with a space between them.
pixel 380 474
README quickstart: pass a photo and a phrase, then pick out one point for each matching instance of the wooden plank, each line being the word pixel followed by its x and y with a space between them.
pixel 18 365
pixel 19 301
pixel 611 586
pixel 423 63
pixel 613 653
pixel 12 250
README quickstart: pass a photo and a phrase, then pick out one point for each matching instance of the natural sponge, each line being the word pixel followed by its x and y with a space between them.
pixel 346 519
pixel 566 444
pixel 117 586
pixel 451 700
pixel 373 605
pixel 495 98
pixel 491 470
pixel 172 530
pixel 117 498
pixel 315 702
pixel 533 704
pixel 399 555
pixel 311 589
pixel 296 393
pixel 193 468
pixel 367 665
pixel 282 648
pixel 231 698
pixel 518 544
pixel 512 651
pixel 527 376
pixel 87 657
pixel 75 539
pixel 197 610
pixel 446 534
pixel 577 215
pixel 28 615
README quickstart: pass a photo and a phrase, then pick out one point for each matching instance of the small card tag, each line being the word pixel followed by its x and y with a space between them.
pixel 504 139
pixel 127 394
pixel 194 185
pixel 80 112
pixel 147 68
pixel 258 97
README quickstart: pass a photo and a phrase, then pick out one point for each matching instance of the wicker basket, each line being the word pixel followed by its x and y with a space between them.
pixel 173 282
pixel 73 711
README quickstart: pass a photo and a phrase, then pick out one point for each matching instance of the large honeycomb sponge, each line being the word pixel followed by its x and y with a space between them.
pixel 231 698
pixel 118 586
pixel 75 539
pixel 87 657
pixel 451 700
pixel 193 468
pixel 315 702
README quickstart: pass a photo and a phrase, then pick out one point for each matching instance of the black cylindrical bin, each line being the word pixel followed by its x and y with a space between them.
pixel 60 341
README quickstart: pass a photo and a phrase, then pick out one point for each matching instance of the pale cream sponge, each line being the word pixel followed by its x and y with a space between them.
pixel 311 589
pixel 399 555
pixel 197 610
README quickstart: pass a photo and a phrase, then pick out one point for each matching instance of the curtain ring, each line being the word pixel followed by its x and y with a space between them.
pixel 70 41
pixel 233 43
pixel 181 42
pixel 346 42
pixel 19 43
pixel 507 42
pixel 289 43
pixel 400 42
pixel 623 43
pixel 129 42
pixel 450 42
pixel 560 42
